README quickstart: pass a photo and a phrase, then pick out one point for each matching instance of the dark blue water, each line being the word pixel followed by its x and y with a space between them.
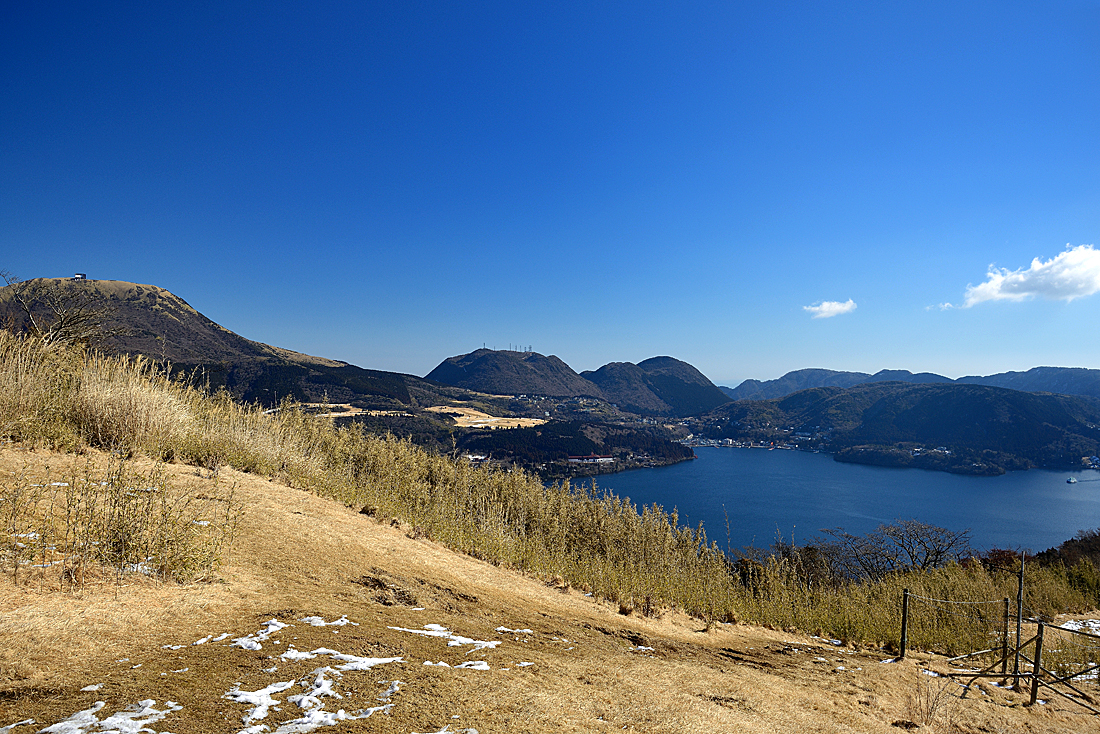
pixel 800 493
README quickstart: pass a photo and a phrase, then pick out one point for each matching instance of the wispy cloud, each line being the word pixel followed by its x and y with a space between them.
pixel 1074 273
pixel 828 309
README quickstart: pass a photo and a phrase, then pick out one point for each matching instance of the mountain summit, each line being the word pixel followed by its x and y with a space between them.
pixel 149 320
pixel 659 385
pixel 513 373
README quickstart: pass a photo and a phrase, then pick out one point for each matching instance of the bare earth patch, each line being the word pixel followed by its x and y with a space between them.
pixel 323 610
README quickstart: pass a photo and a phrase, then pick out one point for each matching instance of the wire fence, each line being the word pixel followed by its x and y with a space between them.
pixel 1023 651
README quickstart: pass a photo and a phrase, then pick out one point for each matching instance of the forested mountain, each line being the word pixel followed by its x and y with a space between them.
pixel 556 441
pixel 657 386
pixel 793 382
pixel 1063 380
pixel 660 386
pixel 983 429
pixel 500 372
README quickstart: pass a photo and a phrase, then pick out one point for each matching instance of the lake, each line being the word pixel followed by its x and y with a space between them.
pixel 799 493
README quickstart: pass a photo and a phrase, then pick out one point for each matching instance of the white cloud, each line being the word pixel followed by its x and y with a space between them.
pixel 1074 273
pixel 828 309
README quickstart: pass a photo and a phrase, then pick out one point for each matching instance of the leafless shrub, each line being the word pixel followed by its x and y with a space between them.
pixel 932 703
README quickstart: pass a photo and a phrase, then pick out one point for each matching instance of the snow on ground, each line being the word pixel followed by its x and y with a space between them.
pixel 318 687
pixel 1083 625
pixel 260 700
pixel 132 720
pixel 320 622
pixel 252 642
pixel 438 630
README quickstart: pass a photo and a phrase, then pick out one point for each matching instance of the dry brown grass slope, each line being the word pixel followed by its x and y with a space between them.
pixel 299 555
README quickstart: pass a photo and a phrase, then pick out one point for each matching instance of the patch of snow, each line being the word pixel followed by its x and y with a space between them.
pixel 78 722
pixel 132 720
pixel 203 641
pixel 93 687
pixel 260 700
pixel 393 690
pixel 440 664
pixel 932 673
pixel 294 654
pixel 517 632
pixel 353 662
pixel 171 647
pixel 438 630
pixel 252 642
pixel 321 686
pixel 523 665
pixel 318 717
pixel 320 622
pixel 11 727
pixel 1087 625
pixel 474 665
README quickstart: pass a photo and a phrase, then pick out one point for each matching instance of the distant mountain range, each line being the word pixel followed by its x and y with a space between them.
pixel 1063 380
pixel 984 429
pixel 660 386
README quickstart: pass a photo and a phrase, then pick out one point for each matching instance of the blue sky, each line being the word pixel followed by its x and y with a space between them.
pixel 751 187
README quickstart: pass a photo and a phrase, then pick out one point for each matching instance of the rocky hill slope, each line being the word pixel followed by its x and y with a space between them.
pixel 148 320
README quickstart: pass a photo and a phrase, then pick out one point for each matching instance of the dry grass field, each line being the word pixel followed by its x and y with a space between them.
pixel 540 657
pixel 471 418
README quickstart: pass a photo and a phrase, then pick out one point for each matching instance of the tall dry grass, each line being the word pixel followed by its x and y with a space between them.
pixel 117 520
pixel 640 557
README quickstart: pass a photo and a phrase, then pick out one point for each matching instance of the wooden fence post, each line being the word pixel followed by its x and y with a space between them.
pixel 1019 624
pixel 1004 647
pixel 1037 669
pixel 904 622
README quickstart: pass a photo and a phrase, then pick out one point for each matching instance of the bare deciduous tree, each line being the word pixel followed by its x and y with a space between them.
pixel 902 546
pixel 56 311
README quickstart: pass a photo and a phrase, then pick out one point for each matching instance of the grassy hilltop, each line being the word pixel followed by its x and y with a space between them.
pixel 142 515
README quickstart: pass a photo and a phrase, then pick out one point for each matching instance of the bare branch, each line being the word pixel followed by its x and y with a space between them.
pixel 57 311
